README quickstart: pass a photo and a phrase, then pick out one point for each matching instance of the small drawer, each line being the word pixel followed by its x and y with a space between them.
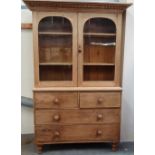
pixel 55 100
pixel 74 133
pixel 81 116
pixel 100 99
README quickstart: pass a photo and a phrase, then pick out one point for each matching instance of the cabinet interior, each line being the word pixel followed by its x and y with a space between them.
pixel 55 49
pixel 56 52
pixel 99 50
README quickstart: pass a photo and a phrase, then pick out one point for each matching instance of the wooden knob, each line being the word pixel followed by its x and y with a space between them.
pixel 56 117
pixel 79 50
pixel 56 134
pixel 99 116
pixel 56 100
pixel 100 100
pixel 99 132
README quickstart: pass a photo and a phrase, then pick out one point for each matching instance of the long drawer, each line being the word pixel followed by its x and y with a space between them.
pixel 100 99
pixel 77 116
pixel 73 133
pixel 56 100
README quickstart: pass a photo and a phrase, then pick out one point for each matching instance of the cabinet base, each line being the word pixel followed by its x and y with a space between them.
pixel 39 148
pixel 114 146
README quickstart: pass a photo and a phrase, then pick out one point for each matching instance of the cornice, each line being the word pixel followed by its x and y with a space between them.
pixel 42 5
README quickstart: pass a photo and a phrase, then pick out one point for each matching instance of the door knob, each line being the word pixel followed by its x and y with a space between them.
pixel 79 50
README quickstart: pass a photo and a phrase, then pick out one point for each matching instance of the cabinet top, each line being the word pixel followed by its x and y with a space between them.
pixel 76 5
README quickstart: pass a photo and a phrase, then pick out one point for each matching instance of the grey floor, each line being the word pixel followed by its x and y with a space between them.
pixel 79 149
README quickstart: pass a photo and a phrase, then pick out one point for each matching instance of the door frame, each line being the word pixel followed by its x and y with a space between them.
pixel 72 17
pixel 117 19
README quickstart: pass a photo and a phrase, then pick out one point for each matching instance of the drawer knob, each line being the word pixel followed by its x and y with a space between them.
pixel 100 100
pixel 56 100
pixel 99 116
pixel 56 134
pixel 98 132
pixel 56 117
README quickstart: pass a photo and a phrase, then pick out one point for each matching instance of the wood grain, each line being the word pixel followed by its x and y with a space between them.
pixel 92 116
pixel 47 100
pixel 74 133
pixel 65 5
pixel 78 89
pixel 100 100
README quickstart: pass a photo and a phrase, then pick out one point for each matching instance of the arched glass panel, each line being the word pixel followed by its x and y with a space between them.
pixel 99 50
pixel 55 49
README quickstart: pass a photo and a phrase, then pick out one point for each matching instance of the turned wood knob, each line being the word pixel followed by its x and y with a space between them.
pixel 100 100
pixel 98 132
pixel 56 117
pixel 56 134
pixel 56 100
pixel 99 116
pixel 79 50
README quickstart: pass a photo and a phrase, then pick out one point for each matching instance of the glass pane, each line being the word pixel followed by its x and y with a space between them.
pixel 100 25
pixel 94 51
pixel 55 24
pixel 99 50
pixel 55 73
pixel 55 49
pixel 98 73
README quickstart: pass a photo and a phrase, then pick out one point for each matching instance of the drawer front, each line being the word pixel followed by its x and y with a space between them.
pixel 74 133
pixel 100 100
pixel 56 100
pixel 77 116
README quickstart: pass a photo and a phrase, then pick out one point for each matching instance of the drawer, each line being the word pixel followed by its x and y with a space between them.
pixel 56 100
pixel 77 116
pixel 73 133
pixel 100 99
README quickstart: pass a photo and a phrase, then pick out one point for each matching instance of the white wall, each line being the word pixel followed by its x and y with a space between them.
pixel 27 77
pixel 127 131
pixel 26 73
pixel 127 126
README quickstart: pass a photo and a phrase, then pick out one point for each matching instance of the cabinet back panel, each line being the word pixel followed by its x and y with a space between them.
pixel 55 73
pixel 94 53
pixel 54 40
pixel 55 54
pixel 98 73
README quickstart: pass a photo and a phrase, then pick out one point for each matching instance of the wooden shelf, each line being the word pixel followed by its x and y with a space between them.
pixel 55 33
pixel 100 34
pixel 99 64
pixel 55 64
pixel 112 89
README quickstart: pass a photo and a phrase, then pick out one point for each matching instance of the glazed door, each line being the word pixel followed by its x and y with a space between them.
pixel 55 49
pixel 98 49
